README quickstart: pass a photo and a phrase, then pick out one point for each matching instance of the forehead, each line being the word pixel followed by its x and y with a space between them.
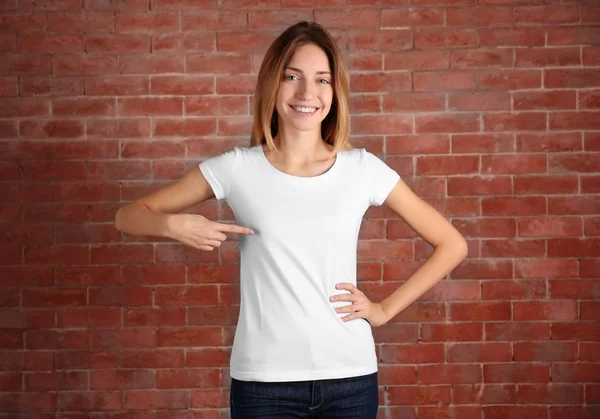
pixel 310 56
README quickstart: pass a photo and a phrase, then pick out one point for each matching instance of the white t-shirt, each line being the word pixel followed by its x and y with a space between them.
pixel 304 242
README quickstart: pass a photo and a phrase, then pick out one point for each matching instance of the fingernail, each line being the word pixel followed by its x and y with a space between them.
pixel 331 299
pixel 337 286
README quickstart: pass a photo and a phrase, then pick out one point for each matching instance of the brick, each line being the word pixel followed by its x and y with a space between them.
pixel 8 43
pixel 418 395
pixel 517 373
pixel 117 43
pixel 575 331
pixel 117 86
pixel 451 123
pixel 512 37
pixel 186 127
pixel 182 85
pixel 118 128
pixel 417 60
pixel 151 64
pixel 522 121
pixel 235 85
pixel 575 372
pixel 52 128
pixel 513 248
pixel 531 412
pixel 364 61
pixel 49 5
pixel 444 81
pixel 510 79
pixel 413 102
pixel 14 402
pixel 456 332
pixel 156 399
pixel 89 401
pixel 187 378
pixel 485 394
pixel 183 42
pixel 574 162
pixel 121 379
pixel 547 57
pixel 411 17
pixel 445 38
pixel 477 269
pixel 449 374
pixel 447 165
pixel 513 290
pixel 147 22
pixel 369 103
pixel 525 185
pixel 570 78
pixel 54 297
pixel 576 35
pixel 513 164
pixel 548 142
pixel 213 20
pixel 57 255
pixel 417 144
pixel 22 22
pixel 478 186
pixel 381 124
pixel 412 353
pixel 546 268
pixel 590 56
pixel 126 253
pixel 218 63
pixel 112 5
pixel 574 120
pixel 190 336
pixel 528 15
pixel 44 43
pixel 84 65
pixel 544 100
pixel 380 82
pixel 244 41
pixel 483 311
pixel 589 351
pixel 483 58
pixel 84 107
pixel 87 276
pixel 153 358
pixel 575 412
pixel 150 106
pixel 50 86
pixel 479 16
pixel 589 100
pixel 571 247
pixel 479 352
pixel 385 40
pixel 277 19
pixel 124 338
pixel 82 21
pixel 551 394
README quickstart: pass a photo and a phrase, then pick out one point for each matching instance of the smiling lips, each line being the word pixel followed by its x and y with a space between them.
pixel 304 109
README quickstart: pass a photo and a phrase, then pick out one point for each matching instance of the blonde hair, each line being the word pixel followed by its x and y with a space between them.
pixel 335 127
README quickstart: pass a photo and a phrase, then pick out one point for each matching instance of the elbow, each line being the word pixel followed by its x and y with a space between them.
pixel 462 248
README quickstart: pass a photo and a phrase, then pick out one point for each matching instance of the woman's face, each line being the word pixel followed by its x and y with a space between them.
pixel 306 90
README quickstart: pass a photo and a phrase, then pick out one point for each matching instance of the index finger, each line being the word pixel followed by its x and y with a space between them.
pixel 345 286
pixel 232 228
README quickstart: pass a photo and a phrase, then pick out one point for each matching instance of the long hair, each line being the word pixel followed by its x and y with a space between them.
pixel 334 128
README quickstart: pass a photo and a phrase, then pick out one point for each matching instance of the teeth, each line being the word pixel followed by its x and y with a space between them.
pixel 305 110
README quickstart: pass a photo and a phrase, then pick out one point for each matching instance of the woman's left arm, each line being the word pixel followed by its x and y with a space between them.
pixel 450 248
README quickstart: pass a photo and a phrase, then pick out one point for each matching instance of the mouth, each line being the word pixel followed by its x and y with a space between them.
pixel 304 110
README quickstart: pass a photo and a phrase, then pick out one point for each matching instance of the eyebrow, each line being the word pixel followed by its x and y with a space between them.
pixel 300 71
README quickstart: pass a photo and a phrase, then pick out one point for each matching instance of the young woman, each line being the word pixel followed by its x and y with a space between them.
pixel 303 345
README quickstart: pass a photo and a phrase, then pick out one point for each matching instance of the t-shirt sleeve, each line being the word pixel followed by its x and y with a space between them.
pixel 380 178
pixel 219 172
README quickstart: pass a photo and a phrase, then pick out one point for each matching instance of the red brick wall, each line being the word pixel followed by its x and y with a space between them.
pixel 488 109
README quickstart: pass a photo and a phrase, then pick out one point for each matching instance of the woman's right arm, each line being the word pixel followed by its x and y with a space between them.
pixel 156 214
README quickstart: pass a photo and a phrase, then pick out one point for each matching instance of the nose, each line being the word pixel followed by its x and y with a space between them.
pixel 305 90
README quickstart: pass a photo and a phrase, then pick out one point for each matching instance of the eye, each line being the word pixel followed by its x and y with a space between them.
pixel 324 81
pixel 290 77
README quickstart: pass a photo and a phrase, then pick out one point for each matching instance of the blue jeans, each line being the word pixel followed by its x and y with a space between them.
pixel 349 398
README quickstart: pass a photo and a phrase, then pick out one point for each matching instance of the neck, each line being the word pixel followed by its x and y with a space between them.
pixel 300 146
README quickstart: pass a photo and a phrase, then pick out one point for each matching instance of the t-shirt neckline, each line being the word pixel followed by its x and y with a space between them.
pixel 295 178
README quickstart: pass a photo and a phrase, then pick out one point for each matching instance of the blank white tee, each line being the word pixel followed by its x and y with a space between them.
pixel 304 242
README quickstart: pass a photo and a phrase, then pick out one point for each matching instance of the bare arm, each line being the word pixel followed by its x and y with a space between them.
pixel 156 214
pixel 450 250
